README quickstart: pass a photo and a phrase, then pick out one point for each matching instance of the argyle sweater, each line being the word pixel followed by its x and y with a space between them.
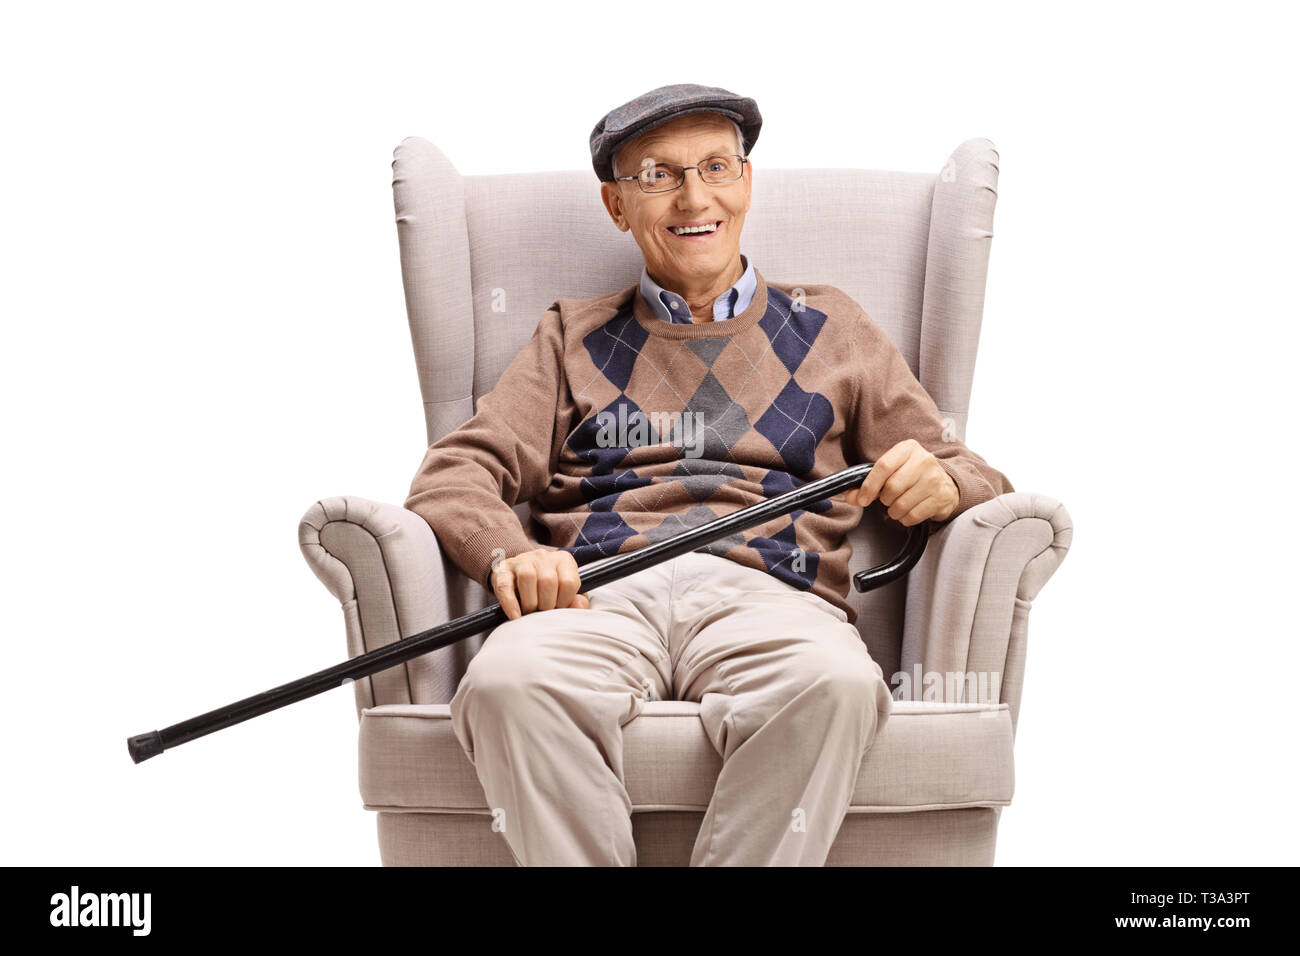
pixel 621 429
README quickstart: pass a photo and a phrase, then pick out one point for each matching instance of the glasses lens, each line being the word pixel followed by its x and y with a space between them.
pixel 660 178
pixel 720 169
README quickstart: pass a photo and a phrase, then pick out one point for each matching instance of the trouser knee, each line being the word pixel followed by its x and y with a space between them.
pixel 843 679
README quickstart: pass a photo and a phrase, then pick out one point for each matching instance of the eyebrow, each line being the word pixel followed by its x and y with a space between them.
pixel 715 151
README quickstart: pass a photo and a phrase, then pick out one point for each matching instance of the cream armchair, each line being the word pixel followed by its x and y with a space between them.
pixel 912 249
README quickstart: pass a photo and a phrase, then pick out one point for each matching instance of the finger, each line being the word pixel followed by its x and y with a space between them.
pixel 875 481
pixel 925 496
pixel 914 506
pixel 905 477
pixel 569 581
pixel 526 584
pixel 864 495
pixel 922 512
pixel 881 470
pixel 870 490
pixel 503 586
pixel 548 584
pixel 871 486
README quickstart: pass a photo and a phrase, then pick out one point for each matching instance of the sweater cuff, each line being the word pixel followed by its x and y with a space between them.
pixel 972 489
pixel 477 552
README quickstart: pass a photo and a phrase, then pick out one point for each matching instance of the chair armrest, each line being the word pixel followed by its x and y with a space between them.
pixel 384 565
pixel 969 596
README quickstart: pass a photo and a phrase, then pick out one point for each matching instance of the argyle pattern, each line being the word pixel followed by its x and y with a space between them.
pixel 754 423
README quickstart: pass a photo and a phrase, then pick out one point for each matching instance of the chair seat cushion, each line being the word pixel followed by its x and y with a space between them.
pixel 928 756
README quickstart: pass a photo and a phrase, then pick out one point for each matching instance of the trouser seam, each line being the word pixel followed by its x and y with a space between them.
pixel 672 598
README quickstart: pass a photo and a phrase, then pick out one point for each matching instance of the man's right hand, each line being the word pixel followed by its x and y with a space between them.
pixel 537 581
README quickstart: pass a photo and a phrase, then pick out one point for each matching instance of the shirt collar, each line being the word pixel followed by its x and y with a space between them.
pixel 671 307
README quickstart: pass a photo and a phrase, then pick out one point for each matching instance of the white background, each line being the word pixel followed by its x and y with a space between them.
pixel 205 332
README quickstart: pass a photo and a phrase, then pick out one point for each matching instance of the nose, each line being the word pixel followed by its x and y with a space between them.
pixel 694 191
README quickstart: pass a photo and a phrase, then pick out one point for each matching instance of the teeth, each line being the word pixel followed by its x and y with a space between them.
pixel 691 230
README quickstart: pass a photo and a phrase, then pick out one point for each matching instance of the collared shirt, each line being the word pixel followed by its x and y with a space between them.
pixel 671 307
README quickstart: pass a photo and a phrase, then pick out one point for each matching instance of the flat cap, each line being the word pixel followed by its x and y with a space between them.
pixel 658 107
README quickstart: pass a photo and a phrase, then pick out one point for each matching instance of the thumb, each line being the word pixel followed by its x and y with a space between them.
pixel 580 601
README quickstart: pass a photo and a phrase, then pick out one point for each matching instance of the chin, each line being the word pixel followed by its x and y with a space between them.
pixel 702 265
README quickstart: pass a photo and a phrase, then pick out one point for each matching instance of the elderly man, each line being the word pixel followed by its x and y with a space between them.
pixel 632 416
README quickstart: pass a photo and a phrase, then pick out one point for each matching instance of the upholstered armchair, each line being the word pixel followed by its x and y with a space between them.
pixel 482 259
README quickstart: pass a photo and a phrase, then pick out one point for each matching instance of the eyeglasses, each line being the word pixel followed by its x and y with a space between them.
pixel 665 177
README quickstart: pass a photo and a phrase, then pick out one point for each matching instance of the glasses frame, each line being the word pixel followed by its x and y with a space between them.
pixel 682 174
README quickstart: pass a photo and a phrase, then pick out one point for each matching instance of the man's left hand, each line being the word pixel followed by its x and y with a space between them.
pixel 911 483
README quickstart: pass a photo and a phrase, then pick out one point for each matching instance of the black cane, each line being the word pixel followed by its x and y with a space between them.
pixel 594 574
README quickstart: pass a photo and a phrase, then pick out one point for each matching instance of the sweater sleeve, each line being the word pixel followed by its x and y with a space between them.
pixel 892 406
pixel 470 479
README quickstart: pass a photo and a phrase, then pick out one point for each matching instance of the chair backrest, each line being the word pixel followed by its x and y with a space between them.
pixel 484 256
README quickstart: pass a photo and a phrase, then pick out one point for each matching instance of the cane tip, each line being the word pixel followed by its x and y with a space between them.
pixel 144 746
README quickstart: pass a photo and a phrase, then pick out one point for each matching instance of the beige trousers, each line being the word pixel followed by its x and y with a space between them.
pixel 788 695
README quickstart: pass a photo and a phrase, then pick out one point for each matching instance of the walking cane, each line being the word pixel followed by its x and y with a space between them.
pixel 593 574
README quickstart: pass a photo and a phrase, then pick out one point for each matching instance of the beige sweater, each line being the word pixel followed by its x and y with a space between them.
pixel 622 429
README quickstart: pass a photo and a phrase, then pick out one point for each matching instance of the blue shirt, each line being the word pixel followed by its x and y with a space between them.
pixel 671 307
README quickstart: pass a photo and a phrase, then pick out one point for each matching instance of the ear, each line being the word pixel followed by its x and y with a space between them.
pixel 749 182
pixel 613 200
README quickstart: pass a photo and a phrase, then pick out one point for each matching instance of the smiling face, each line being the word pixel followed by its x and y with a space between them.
pixel 698 267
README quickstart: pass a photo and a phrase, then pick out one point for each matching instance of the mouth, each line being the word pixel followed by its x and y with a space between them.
pixel 699 231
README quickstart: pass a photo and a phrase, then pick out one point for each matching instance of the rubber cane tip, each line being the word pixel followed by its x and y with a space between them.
pixel 144 746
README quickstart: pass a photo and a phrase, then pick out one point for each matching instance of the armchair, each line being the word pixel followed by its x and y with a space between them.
pixel 482 258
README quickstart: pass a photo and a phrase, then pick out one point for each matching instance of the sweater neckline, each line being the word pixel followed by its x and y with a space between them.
pixel 756 309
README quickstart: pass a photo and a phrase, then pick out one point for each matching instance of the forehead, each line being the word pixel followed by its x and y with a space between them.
pixel 686 134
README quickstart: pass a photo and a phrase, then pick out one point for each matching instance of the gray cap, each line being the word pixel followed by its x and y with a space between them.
pixel 658 107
